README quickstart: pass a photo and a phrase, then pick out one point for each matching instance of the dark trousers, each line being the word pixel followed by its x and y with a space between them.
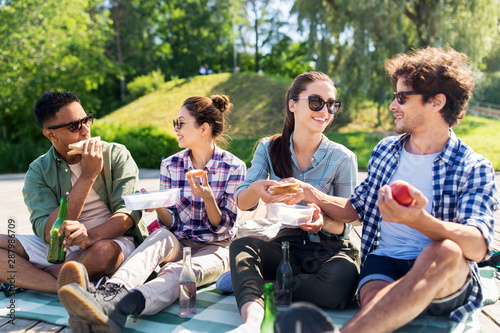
pixel 325 273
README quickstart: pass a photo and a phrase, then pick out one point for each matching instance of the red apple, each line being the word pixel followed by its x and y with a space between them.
pixel 401 192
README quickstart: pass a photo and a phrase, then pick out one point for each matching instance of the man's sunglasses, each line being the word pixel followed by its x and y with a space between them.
pixel 317 103
pixel 76 126
pixel 178 124
pixel 400 96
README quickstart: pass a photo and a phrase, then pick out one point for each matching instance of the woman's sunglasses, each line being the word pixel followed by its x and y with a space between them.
pixel 178 124
pixel 317 103
pixel 400 96
pixel 76 126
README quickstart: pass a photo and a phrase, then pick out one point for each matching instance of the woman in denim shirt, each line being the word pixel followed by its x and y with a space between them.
pixel 322 258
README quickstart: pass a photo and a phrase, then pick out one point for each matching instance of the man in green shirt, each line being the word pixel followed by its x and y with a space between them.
pixel 100 232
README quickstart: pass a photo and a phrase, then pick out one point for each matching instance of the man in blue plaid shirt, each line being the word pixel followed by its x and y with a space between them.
pixel 421 258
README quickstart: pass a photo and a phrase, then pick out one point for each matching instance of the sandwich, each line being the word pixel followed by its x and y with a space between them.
pixel 285 188
pixel 78 146
pixel 196 172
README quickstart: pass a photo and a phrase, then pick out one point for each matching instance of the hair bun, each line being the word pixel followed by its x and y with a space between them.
pixel 221 102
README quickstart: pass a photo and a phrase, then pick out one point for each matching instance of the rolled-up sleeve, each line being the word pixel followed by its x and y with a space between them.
pixel 259 169
pixel 40 200
pixel 227 204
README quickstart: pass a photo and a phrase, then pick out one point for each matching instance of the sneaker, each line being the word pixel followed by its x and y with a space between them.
pixel 102 310
pixel 224 283
pixel 75 272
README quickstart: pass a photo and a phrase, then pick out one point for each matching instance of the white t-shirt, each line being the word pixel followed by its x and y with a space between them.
pixel 398 240
pixel 95 212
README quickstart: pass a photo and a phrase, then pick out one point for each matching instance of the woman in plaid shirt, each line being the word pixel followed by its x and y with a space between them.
pixel 203 220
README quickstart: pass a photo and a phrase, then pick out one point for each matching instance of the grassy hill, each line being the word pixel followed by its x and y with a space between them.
pixel 258 101
pixel 258 111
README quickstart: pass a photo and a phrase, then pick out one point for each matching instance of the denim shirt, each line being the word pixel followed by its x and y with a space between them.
pixel 49 178
pixel 334 171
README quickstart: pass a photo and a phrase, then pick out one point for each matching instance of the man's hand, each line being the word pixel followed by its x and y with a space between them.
pixel 75 233
pixel 317 221
pixel 92 159
pixel 293 199
pixel 392 211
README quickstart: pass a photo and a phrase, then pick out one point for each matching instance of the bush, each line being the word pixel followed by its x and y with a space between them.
pixel 16 157
pixel 487 89
pixel 145 84
pixel 147 144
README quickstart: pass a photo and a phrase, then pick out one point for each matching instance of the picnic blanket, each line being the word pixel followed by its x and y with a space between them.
pixel 216 312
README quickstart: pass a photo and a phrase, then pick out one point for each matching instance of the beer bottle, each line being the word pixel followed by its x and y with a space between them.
pixel 284 275
pixel 187 285
pixel 269 309
pixel 57 255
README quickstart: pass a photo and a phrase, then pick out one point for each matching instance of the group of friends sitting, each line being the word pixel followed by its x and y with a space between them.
pixel 414 259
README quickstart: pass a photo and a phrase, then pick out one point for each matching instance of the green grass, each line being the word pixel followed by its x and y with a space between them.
pixel 258 111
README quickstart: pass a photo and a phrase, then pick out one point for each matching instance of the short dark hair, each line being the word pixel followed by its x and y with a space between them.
pixel 432 71
pixel 50 102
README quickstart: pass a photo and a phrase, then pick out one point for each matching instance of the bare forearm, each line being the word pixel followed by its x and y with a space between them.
pixel 115 226
pixel 247 199
pixel 337 208
pixel 333 227
pixel 469 238
pixel 214 213
pixel 165 217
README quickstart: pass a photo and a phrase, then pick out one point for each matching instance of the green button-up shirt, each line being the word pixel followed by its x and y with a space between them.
pixel 49 178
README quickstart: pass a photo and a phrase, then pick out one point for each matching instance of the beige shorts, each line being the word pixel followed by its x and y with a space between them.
pixel 38 250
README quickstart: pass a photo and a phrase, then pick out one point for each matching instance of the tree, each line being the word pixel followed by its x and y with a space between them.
pixel 47 45
pixel 263 23
pixel 369 32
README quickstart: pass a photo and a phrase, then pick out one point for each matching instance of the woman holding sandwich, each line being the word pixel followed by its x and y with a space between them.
pixel 321 256
pixel 203 220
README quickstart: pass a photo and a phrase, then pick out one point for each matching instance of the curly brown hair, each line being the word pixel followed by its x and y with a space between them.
pixel 432 71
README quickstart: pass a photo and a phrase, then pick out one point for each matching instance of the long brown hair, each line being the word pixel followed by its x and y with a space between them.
pixel 279 149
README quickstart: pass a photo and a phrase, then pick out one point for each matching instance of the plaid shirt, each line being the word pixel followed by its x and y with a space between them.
pixel 463 192
pixel 225 171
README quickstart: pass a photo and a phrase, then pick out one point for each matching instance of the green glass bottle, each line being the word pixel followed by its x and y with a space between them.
pixel 269 309
pixel 57 255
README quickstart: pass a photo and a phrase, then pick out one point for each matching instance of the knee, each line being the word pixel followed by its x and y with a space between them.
pixel 445 252
pixel 242 245
pixel 106 253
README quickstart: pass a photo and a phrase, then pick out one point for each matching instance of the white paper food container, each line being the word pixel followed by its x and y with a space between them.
pixel 153 199
pixel 293 215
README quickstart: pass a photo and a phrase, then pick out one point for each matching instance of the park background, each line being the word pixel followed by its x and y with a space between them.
pixel 133 62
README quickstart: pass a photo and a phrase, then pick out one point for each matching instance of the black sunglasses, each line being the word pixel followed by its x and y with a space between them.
pixel 317 103
pixel 401 95
pixel 76 126
pixel 178 124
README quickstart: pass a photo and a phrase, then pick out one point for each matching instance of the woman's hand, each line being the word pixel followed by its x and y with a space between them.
pixel 204 190
pixel 261 189
pixel 317 221
pixel 143 190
